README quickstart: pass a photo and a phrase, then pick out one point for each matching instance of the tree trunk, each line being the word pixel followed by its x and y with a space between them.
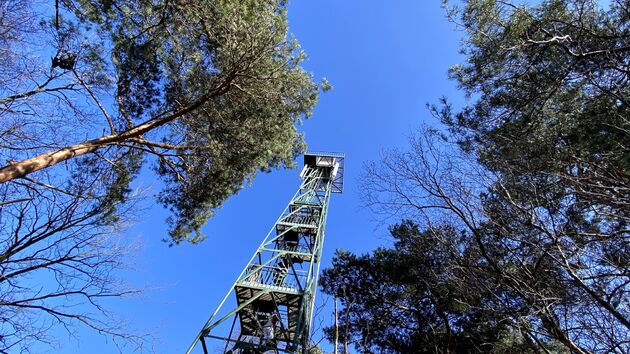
pixel 336 339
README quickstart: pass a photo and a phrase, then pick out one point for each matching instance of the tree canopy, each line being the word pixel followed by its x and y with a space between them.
pixel 201 94
pixel 412 298
pixel 530 176
pixel 209 92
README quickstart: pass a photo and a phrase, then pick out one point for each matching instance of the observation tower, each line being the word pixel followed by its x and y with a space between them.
pixel 269 308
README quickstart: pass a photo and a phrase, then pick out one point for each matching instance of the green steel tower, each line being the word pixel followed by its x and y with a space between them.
pixel 271 308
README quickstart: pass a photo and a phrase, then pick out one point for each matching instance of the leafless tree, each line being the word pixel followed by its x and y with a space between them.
pixel 60 255
pixel 550 278
pixel 61 244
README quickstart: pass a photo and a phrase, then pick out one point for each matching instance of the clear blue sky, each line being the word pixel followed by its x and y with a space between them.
pixel 386 60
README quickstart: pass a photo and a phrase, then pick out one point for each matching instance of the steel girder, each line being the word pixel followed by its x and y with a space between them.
pixel 272 300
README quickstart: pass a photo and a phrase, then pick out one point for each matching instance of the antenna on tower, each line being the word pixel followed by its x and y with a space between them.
pixel 273 297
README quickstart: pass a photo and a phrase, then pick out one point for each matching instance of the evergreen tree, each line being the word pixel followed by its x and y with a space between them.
pixel 414 298
pixel 532 173
pixel 205 93
pixel 209 92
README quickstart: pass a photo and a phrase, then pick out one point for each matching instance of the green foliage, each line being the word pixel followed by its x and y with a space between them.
pixel 550 116
pixel 412 298
pixel 548 83
pixel 524 226
pixel 235 65
pixel 204 93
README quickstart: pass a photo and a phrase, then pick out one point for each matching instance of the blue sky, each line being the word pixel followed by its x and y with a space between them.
pixel 386 60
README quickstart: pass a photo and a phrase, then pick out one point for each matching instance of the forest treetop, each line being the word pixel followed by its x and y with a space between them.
pixel 512 219
pixel 208 92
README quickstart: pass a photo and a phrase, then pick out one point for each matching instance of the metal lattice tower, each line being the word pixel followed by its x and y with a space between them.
pixel 272 306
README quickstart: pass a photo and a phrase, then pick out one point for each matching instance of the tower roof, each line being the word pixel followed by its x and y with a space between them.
pixel 321 159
